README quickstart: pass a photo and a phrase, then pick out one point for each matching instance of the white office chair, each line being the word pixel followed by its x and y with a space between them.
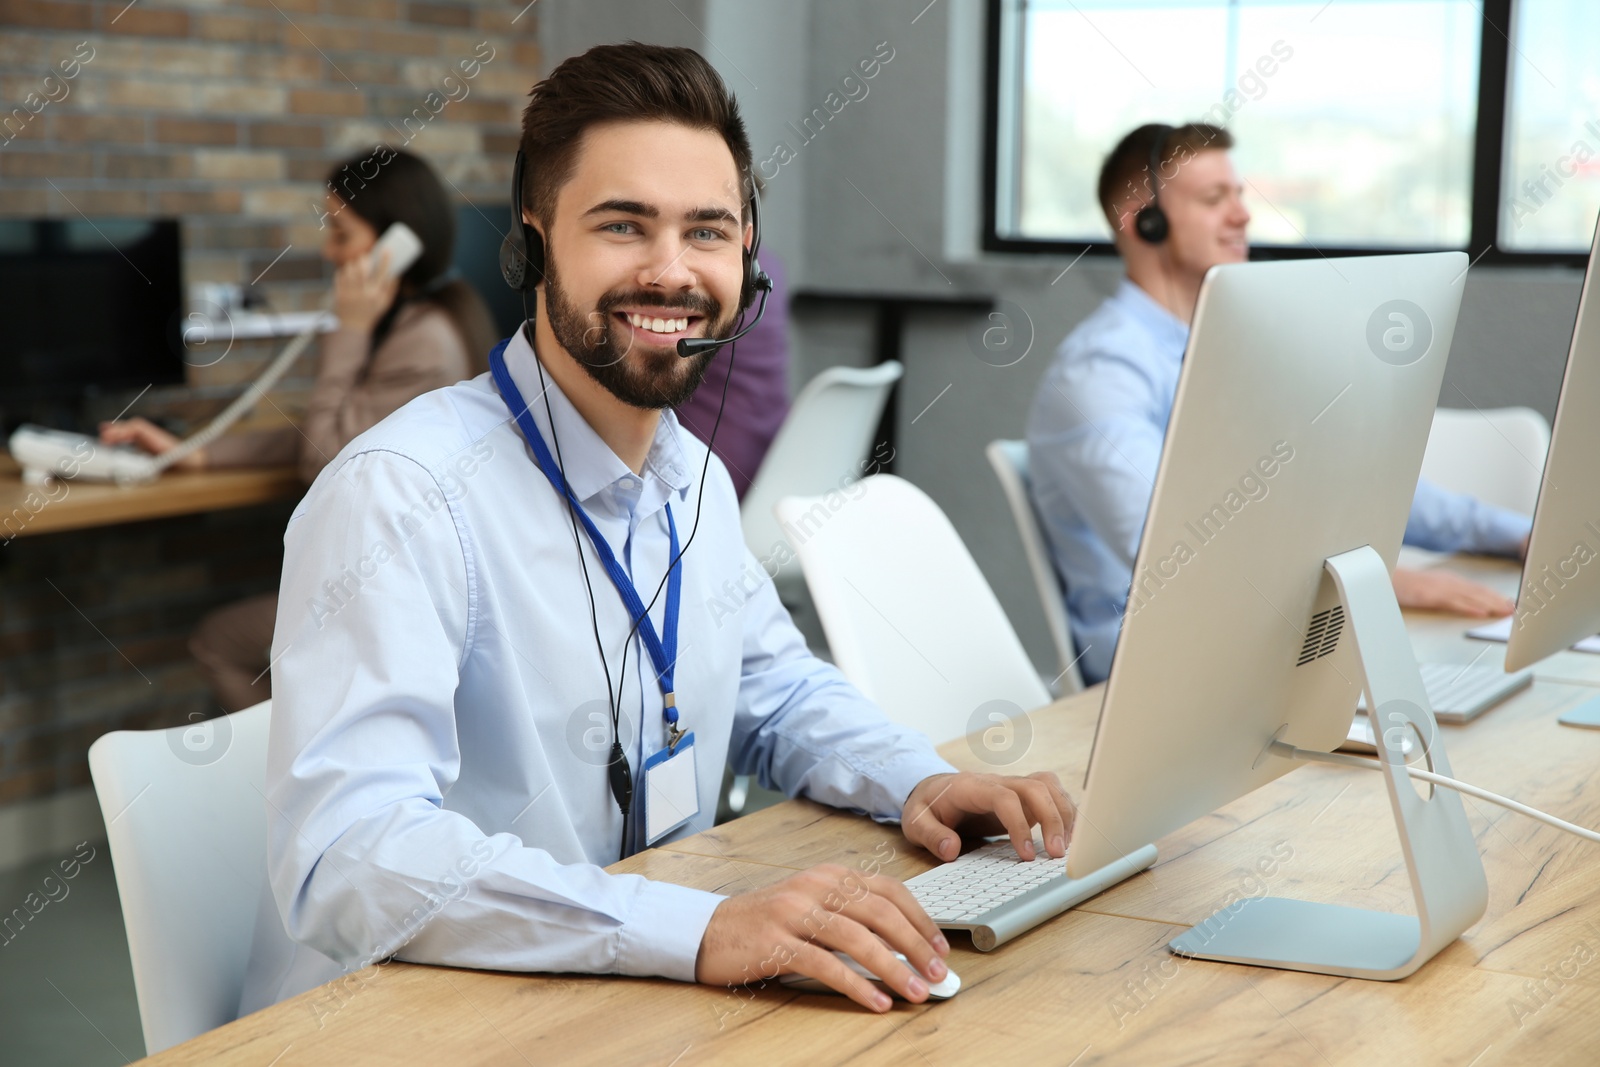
pixel 1495 455
pixel 1010 462
pixel 186 816
pixel 819 446
pixel 909 617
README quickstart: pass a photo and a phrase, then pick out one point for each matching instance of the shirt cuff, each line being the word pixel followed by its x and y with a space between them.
pixel 1501 532
pixel 899 778
pixel 663 932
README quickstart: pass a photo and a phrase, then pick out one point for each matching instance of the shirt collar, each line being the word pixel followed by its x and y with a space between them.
pixel 1160 323
pixel 591 467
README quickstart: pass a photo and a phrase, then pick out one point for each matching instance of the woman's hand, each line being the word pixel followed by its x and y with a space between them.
pixel 361 294
pixel 142 433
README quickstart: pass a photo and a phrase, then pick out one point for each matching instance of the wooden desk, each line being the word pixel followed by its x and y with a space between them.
pixel 1094 985
pixel 1442 638
pixel 76 505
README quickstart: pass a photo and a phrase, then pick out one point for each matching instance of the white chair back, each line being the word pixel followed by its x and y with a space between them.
pixel 909 617
pixel 1010 462
pixel 186 819
pixel 1495 455
pixel 819 446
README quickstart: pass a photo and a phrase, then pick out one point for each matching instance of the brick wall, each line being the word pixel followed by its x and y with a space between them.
pixel 227 116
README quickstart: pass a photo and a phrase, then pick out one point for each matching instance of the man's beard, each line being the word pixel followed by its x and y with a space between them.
pixel 604 346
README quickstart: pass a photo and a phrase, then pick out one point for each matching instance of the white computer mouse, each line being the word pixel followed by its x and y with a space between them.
pixel 942 990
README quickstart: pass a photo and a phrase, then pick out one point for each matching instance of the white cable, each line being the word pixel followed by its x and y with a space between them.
pixel 1280 748
pixel 245 400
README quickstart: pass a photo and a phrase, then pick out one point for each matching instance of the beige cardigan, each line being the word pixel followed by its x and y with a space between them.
pixel 423 352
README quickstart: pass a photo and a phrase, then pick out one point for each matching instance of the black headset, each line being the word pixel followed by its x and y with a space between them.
pixel 522 252
pixel 1151 222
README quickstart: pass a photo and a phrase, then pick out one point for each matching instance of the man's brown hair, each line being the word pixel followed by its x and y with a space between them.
pixel 630 82
pixel 1127 169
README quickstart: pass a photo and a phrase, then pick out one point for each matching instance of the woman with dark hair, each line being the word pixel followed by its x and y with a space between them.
pixel 396 339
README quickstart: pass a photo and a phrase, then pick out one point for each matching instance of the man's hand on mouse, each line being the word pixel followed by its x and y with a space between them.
pixel 944 806
pixel 794 926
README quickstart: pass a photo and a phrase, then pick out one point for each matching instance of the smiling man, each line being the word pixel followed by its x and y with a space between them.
pixel 484 722
pixel 1100 415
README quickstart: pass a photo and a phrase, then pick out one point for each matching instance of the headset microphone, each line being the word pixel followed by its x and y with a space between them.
pixel 694 346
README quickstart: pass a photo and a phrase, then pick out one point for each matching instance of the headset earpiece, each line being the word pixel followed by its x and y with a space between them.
pixel 522 251
pixel 756 280
pixel 1151 221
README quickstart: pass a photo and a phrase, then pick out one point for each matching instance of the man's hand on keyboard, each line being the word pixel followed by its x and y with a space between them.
pixel 1443 591
pixel 794 927
pixel 944 806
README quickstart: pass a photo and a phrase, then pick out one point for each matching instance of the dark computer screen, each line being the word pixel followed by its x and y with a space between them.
pixel 479 231
pixel 88 304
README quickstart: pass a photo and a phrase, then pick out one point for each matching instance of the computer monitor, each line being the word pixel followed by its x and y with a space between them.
pixel 1302 412
pixel 88 304
pixel 1559 602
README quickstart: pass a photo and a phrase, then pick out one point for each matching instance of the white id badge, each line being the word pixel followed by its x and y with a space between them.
pixel 671 791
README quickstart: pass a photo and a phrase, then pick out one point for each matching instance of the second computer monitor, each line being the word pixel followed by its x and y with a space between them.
pixel 1302 411
pixel 1559 602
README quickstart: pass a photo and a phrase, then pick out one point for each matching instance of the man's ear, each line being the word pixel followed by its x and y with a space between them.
pixel 749 235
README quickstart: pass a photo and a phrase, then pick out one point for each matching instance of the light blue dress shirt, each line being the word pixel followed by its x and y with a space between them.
pixel 436 780
pixel 1094 443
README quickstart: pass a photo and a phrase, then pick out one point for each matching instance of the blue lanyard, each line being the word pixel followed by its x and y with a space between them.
pixel 663 653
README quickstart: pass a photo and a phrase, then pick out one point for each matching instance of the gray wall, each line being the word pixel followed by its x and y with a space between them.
pixel 884 199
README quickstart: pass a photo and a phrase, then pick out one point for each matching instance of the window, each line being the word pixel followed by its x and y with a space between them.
pixel 1359 124
pixel 1551 181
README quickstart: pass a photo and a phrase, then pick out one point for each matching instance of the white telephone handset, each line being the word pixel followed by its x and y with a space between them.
pixel 44 453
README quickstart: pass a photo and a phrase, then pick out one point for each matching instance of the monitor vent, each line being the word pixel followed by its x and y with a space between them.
pixel 1322 636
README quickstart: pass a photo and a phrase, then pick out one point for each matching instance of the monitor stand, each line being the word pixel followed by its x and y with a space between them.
pixel 1585 714
pixel 1447 879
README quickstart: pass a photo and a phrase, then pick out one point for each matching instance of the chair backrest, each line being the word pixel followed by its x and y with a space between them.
pixel 185 813
pixel 1495 455
pixel 909 617
pixel 1010 462
pixel 819 446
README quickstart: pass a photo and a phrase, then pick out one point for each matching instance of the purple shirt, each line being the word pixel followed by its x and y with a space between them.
pixel 758 395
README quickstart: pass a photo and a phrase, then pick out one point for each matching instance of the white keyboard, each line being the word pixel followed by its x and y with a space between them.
pixel 985 878
pixel 997 895
pixel 1461 693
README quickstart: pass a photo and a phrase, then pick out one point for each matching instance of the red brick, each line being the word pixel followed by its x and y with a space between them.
pixel 214 26
pixel 141 166
pixel 290 268
pixel 52 13
pixel 502 142
pixel 306 6
pixel 377 10
pixel 197 131
pixel 145 21
pixel 285 135
pixel 98 129
pixel 224 235
pixel 439 14
pixel 19 164
pixel 102 202
pixel 404 42
pixel 313 169
pixel 304 34
pixel 346 102
pixel 15 201
pixel 199 202
pixel 284 67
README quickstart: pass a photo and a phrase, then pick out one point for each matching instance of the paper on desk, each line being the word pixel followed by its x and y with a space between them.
pixel 1500 630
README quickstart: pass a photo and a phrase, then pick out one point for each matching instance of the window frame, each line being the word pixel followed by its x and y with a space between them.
pixel 1488 156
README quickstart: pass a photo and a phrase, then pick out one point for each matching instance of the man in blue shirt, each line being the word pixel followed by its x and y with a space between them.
pixel 1098 420
pixel 457 676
